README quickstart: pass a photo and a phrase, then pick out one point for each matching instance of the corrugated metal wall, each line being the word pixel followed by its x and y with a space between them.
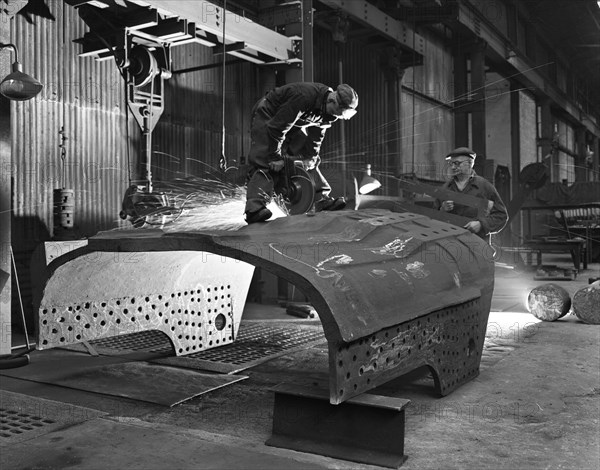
pixel 188 138
pixel 365 132
pixel 429 111
pixel 425 122
pixel 86 98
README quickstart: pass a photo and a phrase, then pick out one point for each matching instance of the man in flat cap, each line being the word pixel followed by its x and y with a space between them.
pixel 292 120
pixel 465 180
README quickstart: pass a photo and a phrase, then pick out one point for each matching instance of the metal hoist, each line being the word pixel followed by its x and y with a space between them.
pixel 145 68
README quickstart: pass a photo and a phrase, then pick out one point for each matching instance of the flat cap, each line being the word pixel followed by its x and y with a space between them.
pixel 461 151
pixel 347 97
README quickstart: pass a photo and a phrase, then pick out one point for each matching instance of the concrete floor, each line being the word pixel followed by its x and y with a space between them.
pixel 535 405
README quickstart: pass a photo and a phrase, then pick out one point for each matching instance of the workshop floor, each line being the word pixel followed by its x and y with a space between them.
pixel 535 405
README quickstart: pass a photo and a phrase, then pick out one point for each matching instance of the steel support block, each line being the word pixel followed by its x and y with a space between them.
pixel 367 429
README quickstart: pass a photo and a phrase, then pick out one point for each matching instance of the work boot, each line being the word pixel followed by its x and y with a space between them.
pixel 330 204
pixel 261 215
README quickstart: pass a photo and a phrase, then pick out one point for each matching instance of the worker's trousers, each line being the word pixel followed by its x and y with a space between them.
pixel 261 180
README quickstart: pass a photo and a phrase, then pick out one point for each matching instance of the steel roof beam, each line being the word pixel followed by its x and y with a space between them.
pixel 209 17
pixel 501 49
pixel 369 15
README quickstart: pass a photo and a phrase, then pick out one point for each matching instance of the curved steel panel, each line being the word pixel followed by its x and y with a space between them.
pixel 362 270
pixel 394 291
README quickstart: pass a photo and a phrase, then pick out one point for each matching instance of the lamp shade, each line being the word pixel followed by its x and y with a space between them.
pixel 19 86
pixel 368 183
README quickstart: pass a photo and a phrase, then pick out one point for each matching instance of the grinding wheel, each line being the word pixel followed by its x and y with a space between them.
pixel 296 187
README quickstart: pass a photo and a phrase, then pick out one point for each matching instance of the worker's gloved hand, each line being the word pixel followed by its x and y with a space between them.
pixel 473 226
pixel 311 163
pixel 276 165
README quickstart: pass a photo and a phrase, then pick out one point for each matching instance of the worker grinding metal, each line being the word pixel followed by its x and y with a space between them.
pixel 465 180
pixel 292 120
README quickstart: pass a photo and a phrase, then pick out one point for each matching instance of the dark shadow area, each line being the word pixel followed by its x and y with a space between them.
pixel 27 234
pixel 418 382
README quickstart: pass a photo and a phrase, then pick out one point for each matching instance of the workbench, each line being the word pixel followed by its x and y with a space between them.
pixel 577 248
pixel 565 222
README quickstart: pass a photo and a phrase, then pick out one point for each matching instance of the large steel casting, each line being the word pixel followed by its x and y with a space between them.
pixel 394 291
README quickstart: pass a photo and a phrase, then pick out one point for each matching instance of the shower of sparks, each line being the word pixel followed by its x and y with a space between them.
pixel 199 204
pixel 202 204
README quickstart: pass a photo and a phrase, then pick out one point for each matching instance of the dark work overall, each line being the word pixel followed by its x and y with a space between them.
pixel 302 139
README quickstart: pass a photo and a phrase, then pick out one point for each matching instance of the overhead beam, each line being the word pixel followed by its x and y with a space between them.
pixel 425 14
pixel 500 49
pixel 175 23
pixel 209 17
pixel 369 15
pixel 132 18
pixel 207 66
pixel 169 29
pixel 280 15
pixel 236 46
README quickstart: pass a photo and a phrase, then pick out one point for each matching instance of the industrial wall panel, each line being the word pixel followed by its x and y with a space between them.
pixel 528 129
pixel 188 138
pixel 566 135
pixel 86 99
pixel 498 117
pixel 428 137
pixel 565 168
pixel 434 79
pixel 427 111
pixel 423 125
pixel 365 134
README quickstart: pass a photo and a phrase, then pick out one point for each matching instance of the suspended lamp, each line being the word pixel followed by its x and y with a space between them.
pixel 18 86
pixel 368 182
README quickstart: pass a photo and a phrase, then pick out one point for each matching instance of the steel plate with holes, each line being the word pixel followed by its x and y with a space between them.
pixel 23 417
pixel 13 423
pixel 369 274
pixel 146 341
pixel 195 299
pixel 151 341
pixel 256 343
